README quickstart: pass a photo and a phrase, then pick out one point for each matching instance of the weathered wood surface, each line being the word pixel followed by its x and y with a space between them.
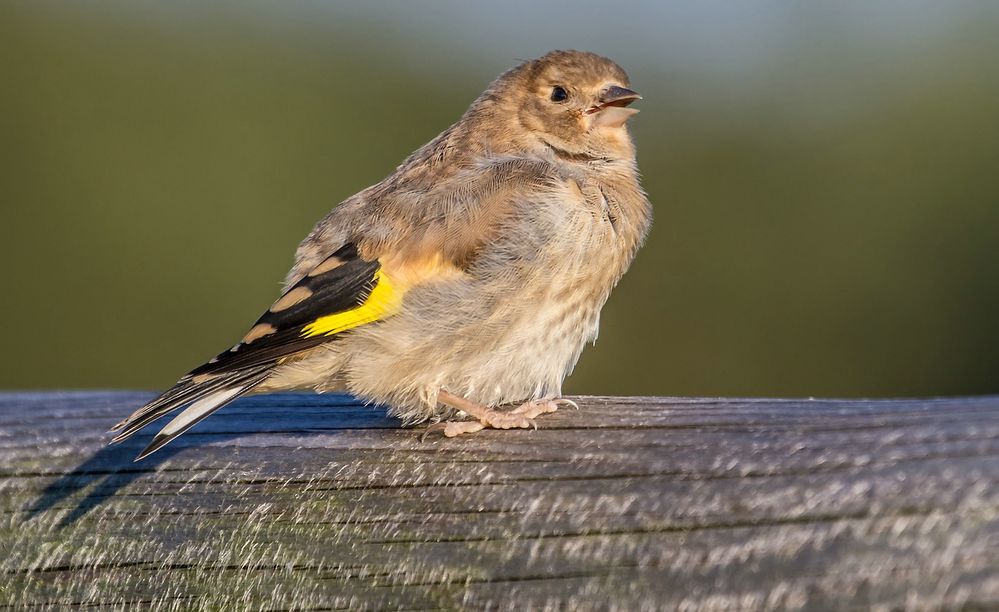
pixel 299 501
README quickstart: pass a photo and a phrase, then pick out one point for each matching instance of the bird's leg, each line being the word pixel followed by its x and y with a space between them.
pixel 520 417
pixel 485 416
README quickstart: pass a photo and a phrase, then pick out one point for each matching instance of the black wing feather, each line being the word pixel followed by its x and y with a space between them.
pixel 345 281
pixel 340 289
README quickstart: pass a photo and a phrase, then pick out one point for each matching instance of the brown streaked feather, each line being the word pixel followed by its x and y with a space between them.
pixel 451 220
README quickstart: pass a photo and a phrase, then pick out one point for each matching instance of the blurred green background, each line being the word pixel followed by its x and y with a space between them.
pixel 825 178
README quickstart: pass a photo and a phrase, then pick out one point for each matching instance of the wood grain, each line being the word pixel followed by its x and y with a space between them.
pixel 302 501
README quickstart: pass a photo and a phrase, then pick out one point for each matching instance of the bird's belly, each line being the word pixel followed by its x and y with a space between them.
pixel 495 343
pixel 536 356
pixel 521 356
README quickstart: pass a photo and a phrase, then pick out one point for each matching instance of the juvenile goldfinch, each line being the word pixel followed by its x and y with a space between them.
pixel 468 279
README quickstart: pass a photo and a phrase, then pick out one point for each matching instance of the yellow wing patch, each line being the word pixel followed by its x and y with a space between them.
pixel 383 301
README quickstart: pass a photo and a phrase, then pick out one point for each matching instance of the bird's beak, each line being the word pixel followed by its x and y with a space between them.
pixel 611 108
pixel 618 96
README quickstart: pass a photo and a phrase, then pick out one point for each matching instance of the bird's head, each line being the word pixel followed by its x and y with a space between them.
pixel 572 101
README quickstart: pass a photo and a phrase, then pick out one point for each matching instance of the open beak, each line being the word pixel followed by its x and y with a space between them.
pixel 612 105
pixel 618 96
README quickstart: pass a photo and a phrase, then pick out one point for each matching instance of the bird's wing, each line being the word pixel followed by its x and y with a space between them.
pixel 439 239
pixel 342 292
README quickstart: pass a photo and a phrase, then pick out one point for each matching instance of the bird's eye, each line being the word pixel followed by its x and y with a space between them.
pixel 559 94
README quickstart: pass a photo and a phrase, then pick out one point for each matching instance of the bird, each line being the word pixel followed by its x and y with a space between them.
pixel 460 290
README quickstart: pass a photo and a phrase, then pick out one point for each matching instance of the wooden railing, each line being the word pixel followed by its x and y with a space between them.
pixel 301 501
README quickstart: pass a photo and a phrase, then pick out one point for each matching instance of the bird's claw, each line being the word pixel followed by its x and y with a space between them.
pixel 496 420
pixel 433 427
pixel 535 408
pixel 456 428
pixel 521 417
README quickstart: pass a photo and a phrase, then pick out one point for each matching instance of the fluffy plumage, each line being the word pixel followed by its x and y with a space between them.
pixel 469 278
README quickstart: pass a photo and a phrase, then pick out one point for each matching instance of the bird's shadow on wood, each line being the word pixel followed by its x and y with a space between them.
pixel 113 467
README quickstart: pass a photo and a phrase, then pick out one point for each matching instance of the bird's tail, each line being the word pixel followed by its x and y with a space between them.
pixel 204 396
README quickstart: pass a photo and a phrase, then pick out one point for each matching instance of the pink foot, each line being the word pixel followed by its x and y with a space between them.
pixel 521 417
